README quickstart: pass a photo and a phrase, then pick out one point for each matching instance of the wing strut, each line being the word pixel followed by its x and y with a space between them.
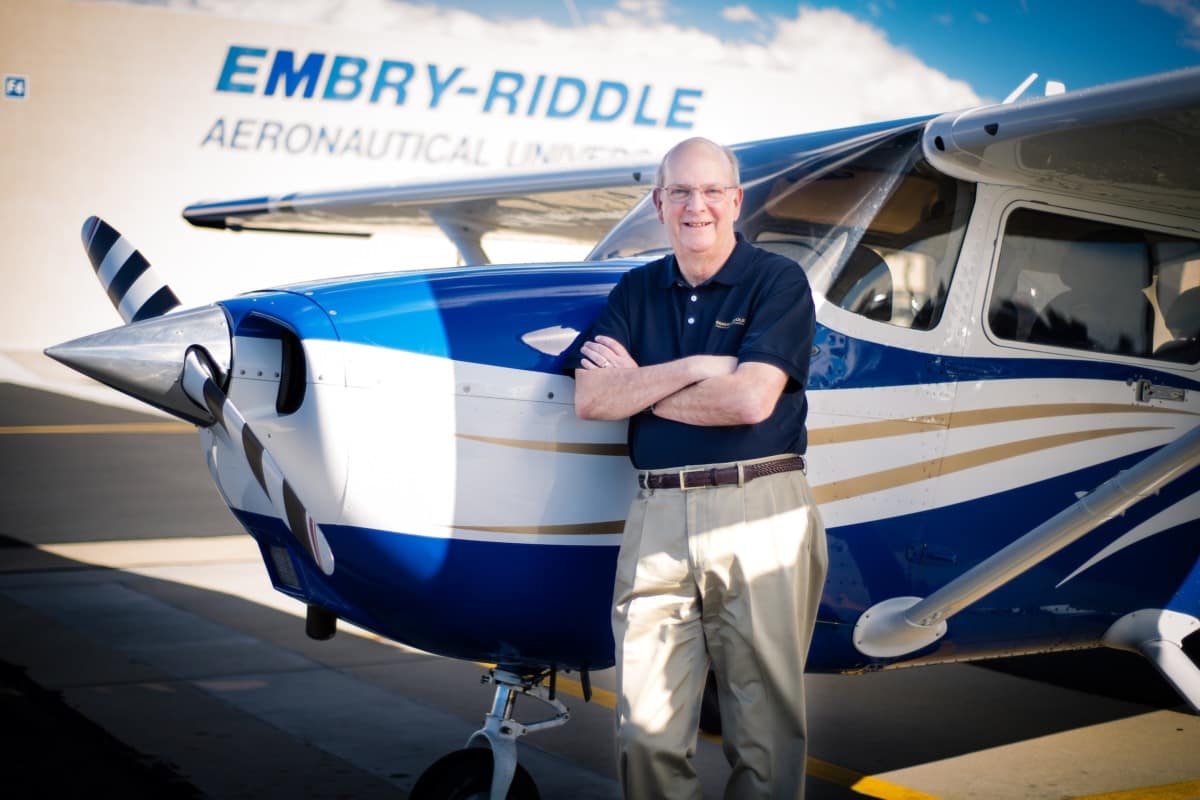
pixel 902 625
pixel 468 239
pixel 1158 634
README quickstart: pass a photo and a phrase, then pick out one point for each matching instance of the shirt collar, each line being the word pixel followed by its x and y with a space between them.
pixel 731 272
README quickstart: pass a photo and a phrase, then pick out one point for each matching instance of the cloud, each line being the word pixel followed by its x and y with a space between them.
pixel 742 13
pixel 980 17
pixel 646 10
pixel 860 68
pixel 1186 10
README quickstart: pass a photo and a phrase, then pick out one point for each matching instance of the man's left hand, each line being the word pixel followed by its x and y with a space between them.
pixel 606 352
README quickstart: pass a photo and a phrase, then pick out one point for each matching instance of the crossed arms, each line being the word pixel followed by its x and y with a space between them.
pixel 697 390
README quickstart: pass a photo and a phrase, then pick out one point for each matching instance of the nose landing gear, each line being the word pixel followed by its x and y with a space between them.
pixel 476 773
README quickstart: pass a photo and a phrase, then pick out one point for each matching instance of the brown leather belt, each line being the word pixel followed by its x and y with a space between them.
pixel 719 476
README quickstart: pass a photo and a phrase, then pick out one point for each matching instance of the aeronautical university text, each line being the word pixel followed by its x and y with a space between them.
pixel 315 139
pixel 339 78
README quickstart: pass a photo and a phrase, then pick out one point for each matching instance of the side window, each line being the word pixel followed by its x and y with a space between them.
pixel 1091 285
pixel 899 272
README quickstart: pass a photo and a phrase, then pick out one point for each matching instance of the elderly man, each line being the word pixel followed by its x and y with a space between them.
pixel 706 352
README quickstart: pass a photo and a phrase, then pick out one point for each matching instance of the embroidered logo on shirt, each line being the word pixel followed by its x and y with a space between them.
pixel 734 321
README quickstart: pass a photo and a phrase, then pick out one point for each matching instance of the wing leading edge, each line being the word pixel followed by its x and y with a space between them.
pixel 575 204
pixel 1133 142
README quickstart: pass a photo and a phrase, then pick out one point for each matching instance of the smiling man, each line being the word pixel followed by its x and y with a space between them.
pixel 723 557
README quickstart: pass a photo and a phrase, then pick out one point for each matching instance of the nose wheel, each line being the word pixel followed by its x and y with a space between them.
pixel 467 775
pixel 477 773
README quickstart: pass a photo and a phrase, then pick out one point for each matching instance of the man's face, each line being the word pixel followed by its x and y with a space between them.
pixel 696 225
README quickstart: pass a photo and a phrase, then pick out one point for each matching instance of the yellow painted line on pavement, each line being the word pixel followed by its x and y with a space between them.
pixel 831 773
pixel 1188 790
pixel 870 786
pixel 107 427
pixel 574 688
pixel 239 547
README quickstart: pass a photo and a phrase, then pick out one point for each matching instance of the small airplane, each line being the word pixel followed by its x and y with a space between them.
pixel 1005 399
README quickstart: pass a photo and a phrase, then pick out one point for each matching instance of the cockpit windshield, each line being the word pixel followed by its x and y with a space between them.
pixel 877 229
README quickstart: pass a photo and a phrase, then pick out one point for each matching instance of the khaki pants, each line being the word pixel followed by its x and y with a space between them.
pixel 728 573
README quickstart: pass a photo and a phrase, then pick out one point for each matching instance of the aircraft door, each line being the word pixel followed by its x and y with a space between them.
pixel 880 393
pixel 1090 361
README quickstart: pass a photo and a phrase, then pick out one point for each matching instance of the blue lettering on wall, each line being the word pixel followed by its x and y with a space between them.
pixel 284 67
pixel 572 86
pixel 385 80
pixel 607 90
pixel 339 77
pixel 505 85
pixel 234 66
pixel 678 106
pixel 439 86
pixel 537 95
pixel 345 78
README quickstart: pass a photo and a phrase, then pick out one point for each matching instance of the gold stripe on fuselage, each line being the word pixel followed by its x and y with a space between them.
pixel 861 431
pixel 575 448
pixel 944 465
pixel 864 431
pixel 575 529
pixel 876 481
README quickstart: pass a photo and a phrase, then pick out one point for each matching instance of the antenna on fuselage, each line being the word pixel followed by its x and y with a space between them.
pixel 573 11
pixel 1020 90
pixel 1052 88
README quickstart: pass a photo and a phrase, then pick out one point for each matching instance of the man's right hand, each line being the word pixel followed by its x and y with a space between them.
pixel 627 389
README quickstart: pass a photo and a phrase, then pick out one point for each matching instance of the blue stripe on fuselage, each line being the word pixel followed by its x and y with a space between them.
pixel 843 362
pixel 515 604
pixel 540 604
pixel 916 554
pixel 478 315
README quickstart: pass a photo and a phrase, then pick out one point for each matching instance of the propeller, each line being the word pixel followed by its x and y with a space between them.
pixel 200 385
pixel 133 286
pixel 178 363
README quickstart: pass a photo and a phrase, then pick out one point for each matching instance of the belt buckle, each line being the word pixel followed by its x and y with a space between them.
pixel 683 487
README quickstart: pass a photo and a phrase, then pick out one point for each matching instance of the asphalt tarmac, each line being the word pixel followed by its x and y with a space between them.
pixel 145 654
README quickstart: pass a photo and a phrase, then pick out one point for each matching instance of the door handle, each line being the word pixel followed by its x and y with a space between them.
pixel 1145 391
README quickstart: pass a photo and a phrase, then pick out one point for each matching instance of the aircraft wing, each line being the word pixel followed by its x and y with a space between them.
pixel 574 204
pixel 1133 142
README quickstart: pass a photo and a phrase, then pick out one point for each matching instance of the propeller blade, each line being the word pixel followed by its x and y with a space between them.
pixel 203 389
pixel 133 286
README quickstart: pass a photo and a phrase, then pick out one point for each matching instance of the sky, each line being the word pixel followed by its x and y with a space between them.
pixel 989 45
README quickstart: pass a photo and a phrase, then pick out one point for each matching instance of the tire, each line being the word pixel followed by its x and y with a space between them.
pixel 467 775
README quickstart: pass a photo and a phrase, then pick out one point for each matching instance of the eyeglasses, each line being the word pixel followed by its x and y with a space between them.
pixel 711 193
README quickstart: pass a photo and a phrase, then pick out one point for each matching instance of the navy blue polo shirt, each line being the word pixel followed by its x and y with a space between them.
pixel 757 307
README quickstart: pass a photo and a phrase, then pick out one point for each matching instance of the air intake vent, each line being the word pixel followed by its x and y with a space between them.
pixel 292 374
pixel 285 570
